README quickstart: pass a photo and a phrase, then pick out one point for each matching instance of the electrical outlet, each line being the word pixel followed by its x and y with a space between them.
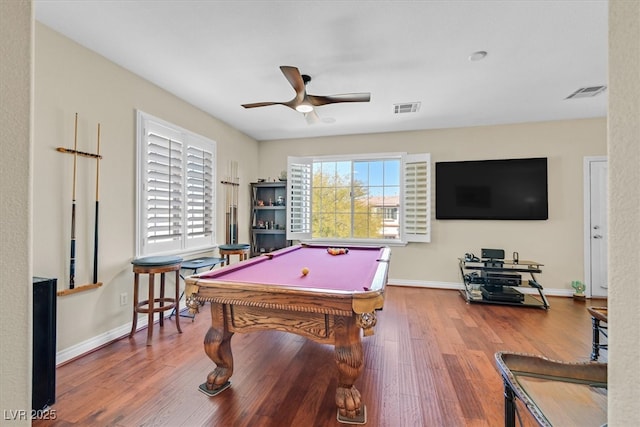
pixel 123 298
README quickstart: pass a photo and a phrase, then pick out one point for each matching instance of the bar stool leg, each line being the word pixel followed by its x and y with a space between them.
pixel 177 297
pixel 161 299
pixel 151 304
pixel 509 406
pixel 134 323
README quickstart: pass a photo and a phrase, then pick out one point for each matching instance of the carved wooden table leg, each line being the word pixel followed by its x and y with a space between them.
pixel 350 361
pixel 217 345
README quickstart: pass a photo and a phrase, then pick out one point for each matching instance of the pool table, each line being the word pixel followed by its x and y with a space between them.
pixel 331 304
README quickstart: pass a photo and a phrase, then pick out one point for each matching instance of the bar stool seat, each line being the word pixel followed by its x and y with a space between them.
pixel 155 265
pixel 240 249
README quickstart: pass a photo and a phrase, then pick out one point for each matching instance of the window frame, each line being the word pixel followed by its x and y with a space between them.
pixel 300 203
pixel 182 243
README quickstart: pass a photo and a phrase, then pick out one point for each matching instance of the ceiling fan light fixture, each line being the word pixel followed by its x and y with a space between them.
pixel 477 56
pixel 304 108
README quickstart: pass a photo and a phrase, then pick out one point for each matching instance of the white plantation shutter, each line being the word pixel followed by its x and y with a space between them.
pixel 299 180
pixel 417 198
pixel 163 185
pixel 199 193
pixel 175 191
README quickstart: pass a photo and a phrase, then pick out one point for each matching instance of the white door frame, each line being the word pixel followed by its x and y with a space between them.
pixel 587 219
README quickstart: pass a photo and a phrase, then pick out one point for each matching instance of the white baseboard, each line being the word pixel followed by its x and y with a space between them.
pixel 91 344
pixel 424 284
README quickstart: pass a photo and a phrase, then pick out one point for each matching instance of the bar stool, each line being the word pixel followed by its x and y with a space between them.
pixel 151 266
pixel 240 249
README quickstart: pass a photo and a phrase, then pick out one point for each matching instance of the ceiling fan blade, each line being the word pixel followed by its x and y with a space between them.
pixel 312 117
pixel 262 104
pixel 334 99
pixel 295 79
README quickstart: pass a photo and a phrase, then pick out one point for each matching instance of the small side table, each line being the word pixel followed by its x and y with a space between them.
pixel 241 249
pixel 155 265
pixel 598 315
pixel 194 265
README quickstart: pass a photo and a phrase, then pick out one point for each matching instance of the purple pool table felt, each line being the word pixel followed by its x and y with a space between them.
pixel 350 272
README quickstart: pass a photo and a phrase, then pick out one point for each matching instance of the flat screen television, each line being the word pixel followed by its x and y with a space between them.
pixel 513 189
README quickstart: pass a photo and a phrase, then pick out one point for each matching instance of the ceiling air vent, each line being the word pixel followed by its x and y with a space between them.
pixel 587 92
pixel 406 107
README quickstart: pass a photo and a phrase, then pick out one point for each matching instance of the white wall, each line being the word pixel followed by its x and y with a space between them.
pixel 624 213
pixel 68 79
pixel 557 243
pixel 16 29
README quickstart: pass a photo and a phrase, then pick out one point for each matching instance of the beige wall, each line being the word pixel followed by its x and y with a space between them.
pixel 624 213
pixel 70 79
pixel 16 29
pixel 557 242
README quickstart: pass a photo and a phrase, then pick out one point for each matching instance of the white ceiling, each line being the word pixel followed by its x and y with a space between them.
pixel 218 55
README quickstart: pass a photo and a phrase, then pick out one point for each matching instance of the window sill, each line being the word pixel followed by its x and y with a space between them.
pixel 185 253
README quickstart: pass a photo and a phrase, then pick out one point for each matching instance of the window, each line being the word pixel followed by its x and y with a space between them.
pixel 175 189
pixel 390 214
pixel 369 198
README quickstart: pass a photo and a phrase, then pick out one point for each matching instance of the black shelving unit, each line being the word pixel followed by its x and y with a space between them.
pixel 268 217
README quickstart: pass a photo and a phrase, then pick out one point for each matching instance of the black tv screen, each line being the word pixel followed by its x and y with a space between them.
pixel 492 189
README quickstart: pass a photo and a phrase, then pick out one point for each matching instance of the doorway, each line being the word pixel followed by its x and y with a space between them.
pixel 595 227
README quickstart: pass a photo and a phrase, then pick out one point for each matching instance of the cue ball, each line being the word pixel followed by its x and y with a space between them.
pixel 305 271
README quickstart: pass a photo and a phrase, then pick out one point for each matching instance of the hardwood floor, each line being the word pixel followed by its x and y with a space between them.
pixel 430 363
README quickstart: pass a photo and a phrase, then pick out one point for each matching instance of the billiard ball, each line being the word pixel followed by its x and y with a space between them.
pixel 305 271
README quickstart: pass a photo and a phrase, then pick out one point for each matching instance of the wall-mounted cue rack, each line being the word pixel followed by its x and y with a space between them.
pixel 231 184
pixel 72 259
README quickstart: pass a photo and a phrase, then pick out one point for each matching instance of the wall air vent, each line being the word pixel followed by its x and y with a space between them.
pixel 587 92
pixel 406 107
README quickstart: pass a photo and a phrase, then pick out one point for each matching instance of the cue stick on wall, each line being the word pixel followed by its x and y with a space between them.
pixel 227 225
pixel 226 209
pixel 72 260
pixel 95 232
pixel 234 202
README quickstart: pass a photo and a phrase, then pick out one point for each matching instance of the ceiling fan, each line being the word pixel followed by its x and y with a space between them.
pixel 305 103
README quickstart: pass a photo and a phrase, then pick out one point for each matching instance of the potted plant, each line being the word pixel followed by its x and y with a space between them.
pixel 578 288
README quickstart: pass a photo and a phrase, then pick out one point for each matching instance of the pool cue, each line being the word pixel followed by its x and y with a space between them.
pixel 95 231
pixel 228 196
pixel 234 188
pixel 72 260
pixel 226 210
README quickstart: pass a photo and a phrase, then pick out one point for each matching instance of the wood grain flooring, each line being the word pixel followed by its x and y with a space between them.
pixel 430 363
